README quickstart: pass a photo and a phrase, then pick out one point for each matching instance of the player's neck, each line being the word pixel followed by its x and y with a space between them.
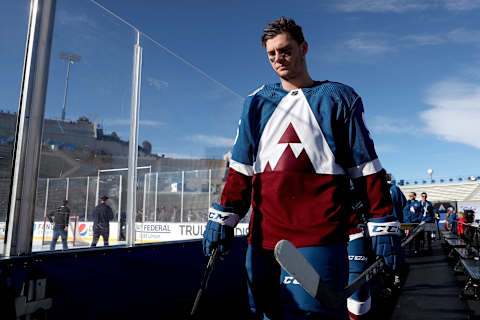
pixel 304 81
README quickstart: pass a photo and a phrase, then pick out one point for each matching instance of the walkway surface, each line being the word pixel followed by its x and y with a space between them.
pixel 431 290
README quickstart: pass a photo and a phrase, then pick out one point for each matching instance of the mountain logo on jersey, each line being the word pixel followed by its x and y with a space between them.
pixel 292 140
pixel 289 161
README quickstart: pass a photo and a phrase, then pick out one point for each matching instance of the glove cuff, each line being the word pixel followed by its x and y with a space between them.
pixel 224 218
pixel 355 236
pixel 391 228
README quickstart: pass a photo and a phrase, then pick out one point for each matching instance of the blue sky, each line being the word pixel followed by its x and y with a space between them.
pixel 416 65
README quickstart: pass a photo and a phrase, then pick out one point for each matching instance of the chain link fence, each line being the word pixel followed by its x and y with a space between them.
pixel 181 196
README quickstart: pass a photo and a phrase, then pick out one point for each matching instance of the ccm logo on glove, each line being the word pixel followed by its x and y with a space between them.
pixel 224 218
pixel 389 229
pixel 380 229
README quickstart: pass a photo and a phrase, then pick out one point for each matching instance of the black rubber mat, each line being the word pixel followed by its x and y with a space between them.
pixel 430 289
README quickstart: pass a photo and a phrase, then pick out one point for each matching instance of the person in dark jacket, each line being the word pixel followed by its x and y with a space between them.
pixel 426 209
pixel 60 218
pixel 102 214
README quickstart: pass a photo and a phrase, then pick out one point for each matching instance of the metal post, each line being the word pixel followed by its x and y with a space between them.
pixel 46 198
pixel 71 58
pixel 86 198
pixel 156 196
pixel 209 189
pixel 119 206
pixel 68 186
pixel 144 196
pixel 181 199
pixel 98 188
pixel 133 145
pixel 29 129
pixel 66 90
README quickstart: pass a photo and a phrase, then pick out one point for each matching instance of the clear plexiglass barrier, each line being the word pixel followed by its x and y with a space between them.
pixel 186 128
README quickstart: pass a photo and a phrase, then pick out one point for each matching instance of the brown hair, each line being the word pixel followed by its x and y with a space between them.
pixel 282 25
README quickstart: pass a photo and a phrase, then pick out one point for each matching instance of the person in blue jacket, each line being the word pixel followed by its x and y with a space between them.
pixel 426 211
pixel 452 222
pixel 411 214
pixel 411 211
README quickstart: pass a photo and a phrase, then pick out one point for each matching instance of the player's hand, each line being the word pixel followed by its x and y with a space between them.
pixel 385 236
pixel 219 231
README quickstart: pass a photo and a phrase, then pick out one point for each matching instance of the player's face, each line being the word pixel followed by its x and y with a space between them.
pixel 412 196
pixel 286 56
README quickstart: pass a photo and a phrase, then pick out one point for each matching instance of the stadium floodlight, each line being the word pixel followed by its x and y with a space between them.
pixel 473 178
pixel 430 172
pixel 70 58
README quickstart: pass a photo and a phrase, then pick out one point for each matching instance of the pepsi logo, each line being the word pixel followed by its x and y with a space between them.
pixel 82 229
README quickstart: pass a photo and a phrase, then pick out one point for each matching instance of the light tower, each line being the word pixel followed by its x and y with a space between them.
pixel 430 172
pixel 70 58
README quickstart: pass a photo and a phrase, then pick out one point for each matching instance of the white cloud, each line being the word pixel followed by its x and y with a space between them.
pixel 375 43
pixel 424 39
pixel 126 122
pixel 157 83
pixel 385 148
pixel 461 5
pixel 381 5
pixel 367 45
pixel 69 17
pixel 455 111
pixel 382 124
pixel 211 140
pixel 461 35
pixel 401 6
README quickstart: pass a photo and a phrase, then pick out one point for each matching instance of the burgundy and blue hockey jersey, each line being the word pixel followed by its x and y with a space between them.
pixel 294 155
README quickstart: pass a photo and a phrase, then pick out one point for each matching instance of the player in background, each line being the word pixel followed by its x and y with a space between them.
pixel 298 145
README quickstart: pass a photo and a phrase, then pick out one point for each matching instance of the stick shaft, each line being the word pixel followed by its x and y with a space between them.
pixel 206 277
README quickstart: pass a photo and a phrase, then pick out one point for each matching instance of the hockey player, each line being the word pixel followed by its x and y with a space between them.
pixel 298 144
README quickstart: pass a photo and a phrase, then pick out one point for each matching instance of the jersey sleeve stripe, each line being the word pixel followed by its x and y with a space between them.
pixel 242 168
pixel 365 169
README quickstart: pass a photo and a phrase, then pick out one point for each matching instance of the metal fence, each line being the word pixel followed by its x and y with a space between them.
pixel 181 196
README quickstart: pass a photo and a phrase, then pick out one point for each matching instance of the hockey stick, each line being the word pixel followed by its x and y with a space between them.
pixel 208 270
pixel 413 234
pixel 292 260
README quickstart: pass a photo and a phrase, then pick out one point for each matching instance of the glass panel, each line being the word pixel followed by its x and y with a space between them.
pixel 13 32
pixel 188 122
pixel 86 128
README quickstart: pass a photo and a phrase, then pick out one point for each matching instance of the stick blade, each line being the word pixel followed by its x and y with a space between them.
pixel 293 261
